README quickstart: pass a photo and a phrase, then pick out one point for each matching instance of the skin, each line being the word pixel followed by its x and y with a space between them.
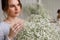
pixel 16 23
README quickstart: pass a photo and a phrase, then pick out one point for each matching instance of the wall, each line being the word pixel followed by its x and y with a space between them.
pixel 52 6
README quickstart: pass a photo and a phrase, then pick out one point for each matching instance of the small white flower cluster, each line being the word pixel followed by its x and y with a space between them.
pixel 38 27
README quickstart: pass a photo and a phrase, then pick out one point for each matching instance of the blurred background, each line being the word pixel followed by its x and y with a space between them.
pixel 50 5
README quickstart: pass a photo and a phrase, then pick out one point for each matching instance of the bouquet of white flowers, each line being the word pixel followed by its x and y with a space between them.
pixel 38 27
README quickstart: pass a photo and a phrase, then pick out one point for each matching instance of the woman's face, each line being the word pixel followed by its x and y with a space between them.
pixel 13 8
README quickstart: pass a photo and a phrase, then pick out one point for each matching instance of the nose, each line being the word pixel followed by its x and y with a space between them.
pixel 16 8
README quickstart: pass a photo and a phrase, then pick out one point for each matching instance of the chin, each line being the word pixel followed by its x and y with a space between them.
pixel 16 15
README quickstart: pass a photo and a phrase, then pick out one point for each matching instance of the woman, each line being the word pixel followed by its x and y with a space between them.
pixel 11 25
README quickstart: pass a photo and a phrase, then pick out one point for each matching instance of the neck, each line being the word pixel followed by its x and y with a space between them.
pixel 11 19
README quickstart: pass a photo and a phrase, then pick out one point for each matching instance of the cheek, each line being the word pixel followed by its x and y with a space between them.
pixel 11 10
pixel 19 9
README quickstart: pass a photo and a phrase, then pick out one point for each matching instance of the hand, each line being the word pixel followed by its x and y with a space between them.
pixel 15 29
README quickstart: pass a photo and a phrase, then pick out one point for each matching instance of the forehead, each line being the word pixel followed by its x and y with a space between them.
pixel 13 2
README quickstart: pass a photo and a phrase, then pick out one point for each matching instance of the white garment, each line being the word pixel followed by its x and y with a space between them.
pixel 4 30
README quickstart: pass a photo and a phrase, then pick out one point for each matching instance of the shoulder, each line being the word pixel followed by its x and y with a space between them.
pixel 1 31
pixel 3 24
pixel 4 27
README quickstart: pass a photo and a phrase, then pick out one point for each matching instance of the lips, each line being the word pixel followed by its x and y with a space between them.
pixel 16 12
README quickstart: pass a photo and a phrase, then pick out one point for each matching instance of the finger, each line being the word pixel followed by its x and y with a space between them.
pixel 19 28
pixel 16 27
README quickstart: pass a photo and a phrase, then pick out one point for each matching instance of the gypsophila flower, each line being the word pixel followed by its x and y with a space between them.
pixel 38 27
pixel 38 31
